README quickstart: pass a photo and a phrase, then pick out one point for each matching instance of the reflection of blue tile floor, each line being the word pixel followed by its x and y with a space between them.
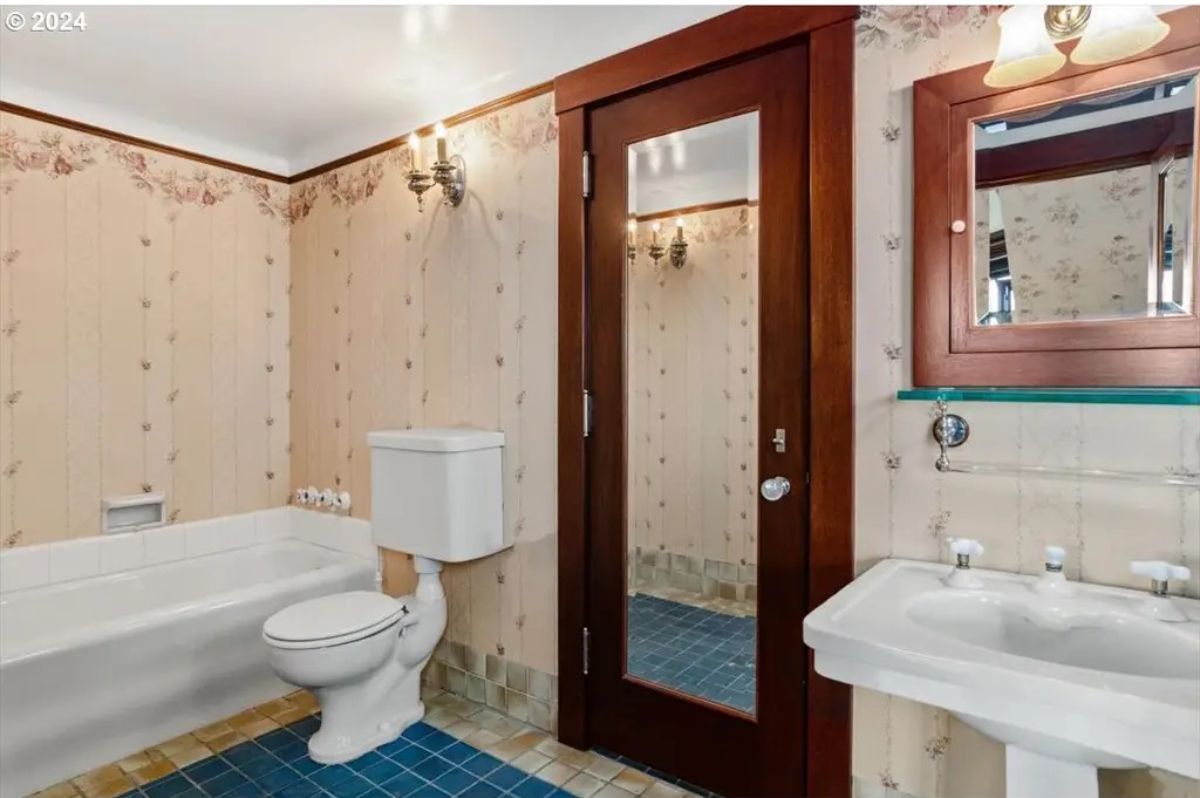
pixel 696 651
pixel 423 763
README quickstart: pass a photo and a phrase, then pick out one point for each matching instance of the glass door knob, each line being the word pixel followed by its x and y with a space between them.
pixel 775 488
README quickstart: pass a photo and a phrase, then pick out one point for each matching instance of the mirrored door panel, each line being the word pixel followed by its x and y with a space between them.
pixel 692 283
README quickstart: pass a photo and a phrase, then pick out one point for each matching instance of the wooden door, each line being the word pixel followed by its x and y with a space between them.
pixel 670 651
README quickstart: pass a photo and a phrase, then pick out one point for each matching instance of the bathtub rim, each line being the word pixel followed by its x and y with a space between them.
pixel 342 564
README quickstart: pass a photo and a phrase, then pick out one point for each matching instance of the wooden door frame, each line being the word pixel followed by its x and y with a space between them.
pixel 734 35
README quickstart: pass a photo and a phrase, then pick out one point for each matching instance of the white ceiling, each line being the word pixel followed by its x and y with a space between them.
pixel 285 88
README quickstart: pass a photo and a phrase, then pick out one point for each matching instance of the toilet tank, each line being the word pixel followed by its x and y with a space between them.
pixel 437 492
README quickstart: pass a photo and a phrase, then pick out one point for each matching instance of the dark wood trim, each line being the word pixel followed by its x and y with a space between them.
pixel 401 141
pixel 690 209
pixel 729 35
pixel 949 349
pixel 572 452
pixel 166 149
pixel 829 239
pixel 709 745
pixel 831 330
pixel 1084 152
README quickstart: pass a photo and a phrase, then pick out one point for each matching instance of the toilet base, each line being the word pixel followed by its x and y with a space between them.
pixel 335 751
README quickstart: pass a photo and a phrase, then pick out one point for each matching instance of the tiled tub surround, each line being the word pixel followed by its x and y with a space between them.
pixel 173 615
pixel 460 748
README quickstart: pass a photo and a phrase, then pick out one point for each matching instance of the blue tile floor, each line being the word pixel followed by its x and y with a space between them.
pixel 423 763
pixel 693 650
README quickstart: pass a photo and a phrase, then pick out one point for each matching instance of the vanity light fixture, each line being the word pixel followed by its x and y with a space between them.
pixel 656 250
pixel 1116 32
pixel 1027 51
pixel 678 246
pixel 449 172
pixel 631 241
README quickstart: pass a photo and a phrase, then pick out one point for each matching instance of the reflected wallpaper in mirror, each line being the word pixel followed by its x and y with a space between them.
pixel 1085 210
pixel 692 358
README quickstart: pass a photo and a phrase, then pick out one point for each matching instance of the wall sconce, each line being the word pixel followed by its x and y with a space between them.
pixel 448 172
pixel 1027 51
pixel 630 241
pixel 656 250
pixel 678 246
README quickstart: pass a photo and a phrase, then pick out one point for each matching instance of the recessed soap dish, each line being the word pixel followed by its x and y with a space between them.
pixel 132 513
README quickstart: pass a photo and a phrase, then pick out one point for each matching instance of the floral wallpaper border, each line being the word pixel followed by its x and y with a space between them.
pixel 57 153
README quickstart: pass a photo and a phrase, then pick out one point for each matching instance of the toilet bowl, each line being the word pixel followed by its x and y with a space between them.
pixel 438 495
pixel 361 654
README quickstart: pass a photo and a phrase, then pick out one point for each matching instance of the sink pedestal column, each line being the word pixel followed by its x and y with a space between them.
pixel 1030 775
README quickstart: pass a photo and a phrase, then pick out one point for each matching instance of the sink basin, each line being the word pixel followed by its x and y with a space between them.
pixel 1068 684
pixel 1081 639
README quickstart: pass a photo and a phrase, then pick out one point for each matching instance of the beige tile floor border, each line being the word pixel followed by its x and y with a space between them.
pixel 584 774
pixel 741 609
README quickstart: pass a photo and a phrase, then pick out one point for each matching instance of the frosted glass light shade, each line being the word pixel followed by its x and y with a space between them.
pixel 1026 52
pixel 1116 32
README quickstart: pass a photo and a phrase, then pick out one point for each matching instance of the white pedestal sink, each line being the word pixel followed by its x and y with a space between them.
pixel 1068 684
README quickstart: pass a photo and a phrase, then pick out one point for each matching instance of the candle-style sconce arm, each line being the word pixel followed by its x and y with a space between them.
pixel 418 183
pixel 451 175
pixel 656 252
pixel 678 253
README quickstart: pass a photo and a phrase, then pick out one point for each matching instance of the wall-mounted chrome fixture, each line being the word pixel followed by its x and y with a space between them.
pixel 449 172
pixel 678 245
pixel 656 250
pixel 950 431
pixel 1028 48
pixel 631 241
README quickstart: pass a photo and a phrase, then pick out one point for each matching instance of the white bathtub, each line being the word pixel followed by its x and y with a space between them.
pixel 95 669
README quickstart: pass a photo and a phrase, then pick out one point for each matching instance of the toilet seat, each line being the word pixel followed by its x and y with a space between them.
pixel 332 620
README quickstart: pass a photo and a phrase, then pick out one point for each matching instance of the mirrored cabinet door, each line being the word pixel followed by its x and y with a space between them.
pixel 1083 209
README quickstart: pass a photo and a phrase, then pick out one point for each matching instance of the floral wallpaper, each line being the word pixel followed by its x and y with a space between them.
pixel 143 333
pixel 693 376
pixel 1077 247
pixel 443 317
pixel 905 508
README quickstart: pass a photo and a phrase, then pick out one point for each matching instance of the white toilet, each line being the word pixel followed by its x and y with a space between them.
pixel 436 494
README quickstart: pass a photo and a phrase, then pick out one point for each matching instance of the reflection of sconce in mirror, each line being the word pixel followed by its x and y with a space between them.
pixel 656 249
pixel 448 172
pixel 630 241
pixel 678 246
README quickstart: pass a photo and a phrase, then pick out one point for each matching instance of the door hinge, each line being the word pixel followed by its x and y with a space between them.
pixel 587 174
pixel 588 410
pixel 587 649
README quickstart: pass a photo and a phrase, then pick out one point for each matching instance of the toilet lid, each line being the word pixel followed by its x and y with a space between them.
pixel 338 618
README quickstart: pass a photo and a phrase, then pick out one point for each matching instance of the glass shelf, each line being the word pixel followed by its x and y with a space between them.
pixel 1110 396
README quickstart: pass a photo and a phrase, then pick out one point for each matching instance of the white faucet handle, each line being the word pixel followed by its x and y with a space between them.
pixel 965 547
pixel 1055 556
pixel 1160 571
